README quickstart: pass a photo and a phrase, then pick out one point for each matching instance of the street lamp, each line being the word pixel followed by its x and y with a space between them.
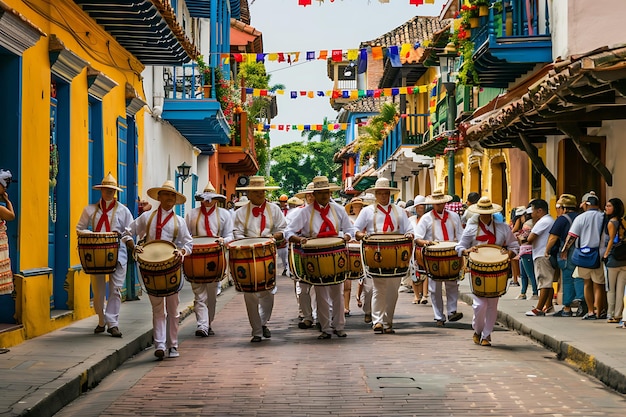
pixel 405 179
pixel 448 62
pixel 183 176
pixel 393 163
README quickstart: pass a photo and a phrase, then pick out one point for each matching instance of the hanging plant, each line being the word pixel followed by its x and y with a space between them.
pixel 377 130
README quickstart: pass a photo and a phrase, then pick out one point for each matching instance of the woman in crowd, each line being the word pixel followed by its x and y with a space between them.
pixel 616 276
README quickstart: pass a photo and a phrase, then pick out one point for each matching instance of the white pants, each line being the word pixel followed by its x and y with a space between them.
pixel 165 321
pixel 305 294
pixel 384 298
pixel 485 315
pixel 204 301
pixel 111 315
pixel 436 297
pixel 330 306
pixel 366 294
pixel 282 254
pixel 259 306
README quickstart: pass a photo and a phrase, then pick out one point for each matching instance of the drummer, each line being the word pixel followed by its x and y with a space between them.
pixel 162 223
pixel 353 208
pixel 259 218
pixel 440 225
pixel 108 215
pixel 211 221
pixel 480 230
pixel 386 218
pixel 324 218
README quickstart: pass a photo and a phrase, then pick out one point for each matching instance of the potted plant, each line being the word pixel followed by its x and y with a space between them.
pixel 205 70
pixel 469 14
pixel 483 7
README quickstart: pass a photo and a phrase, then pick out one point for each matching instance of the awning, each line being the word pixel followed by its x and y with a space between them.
pixel 433 147
pixel 244 37
pixel 146 28
pixel 202 8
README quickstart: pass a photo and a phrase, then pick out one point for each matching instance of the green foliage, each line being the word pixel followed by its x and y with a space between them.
pixel 376 130
pixel 261 145
pixel 467 73
pixel 204 69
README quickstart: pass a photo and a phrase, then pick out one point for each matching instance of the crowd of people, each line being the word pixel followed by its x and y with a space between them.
pixel 309 232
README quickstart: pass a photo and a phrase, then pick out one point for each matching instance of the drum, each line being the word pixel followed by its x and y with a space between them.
pixel 355 264
pixel 420 269
pixel 160 271
pixel 295 266
pixel 442 262
pixel 207 261
pixel 323 261
pixel 252 262
pixel 489 269
pixel 387 255
pixel 98 252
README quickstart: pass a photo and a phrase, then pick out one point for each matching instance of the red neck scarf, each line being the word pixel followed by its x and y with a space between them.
pixel 327 229
pixel 487 236
pixel 160 224
pixel 260 211
pixel 388 225
pixel 207 214
pixel 443 220
pixel 285 211
pixel 104 219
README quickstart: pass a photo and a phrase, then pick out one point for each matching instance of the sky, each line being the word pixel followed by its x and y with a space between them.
pixel 333 24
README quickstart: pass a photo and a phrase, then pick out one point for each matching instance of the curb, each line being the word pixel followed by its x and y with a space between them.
pixel 51 398
pixel 566 352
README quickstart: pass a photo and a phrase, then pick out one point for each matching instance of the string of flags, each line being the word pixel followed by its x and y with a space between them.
pixel 413 2
pixel 260 127
pixel 335 94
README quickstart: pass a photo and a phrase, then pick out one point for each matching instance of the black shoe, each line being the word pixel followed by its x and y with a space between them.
pixel 323 336
pixel 455 316
pixel 114 331
pixel 256 339
pixel 306 324
pixel 160 354
pixel 340 333
pixel 202 333
pixel 99 329
pixel 284 273
pixel 581 311
pixel 440 323
pixel 211 332
pixel 562 313
pixel 266 332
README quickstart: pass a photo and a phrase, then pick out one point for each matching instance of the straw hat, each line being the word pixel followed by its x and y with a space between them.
pixel 355 200
pixel 419 199
pixel 257 182
pixel 307 190
pixel 485 206
pixel 295 201
pixel 382 184
pixel 209 193
pixel 437 197
pixel 167 186
pixel 567 200
pixel 108 182
pixel 243 200
pixel 320 183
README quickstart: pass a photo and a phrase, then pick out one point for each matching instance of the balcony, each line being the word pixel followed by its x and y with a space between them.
pixel 511 42
pixel 410 131
pixel 191 109
pixel 239 156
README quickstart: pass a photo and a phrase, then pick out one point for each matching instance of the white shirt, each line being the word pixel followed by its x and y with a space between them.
pixel 587 227
pixel 220 222
pixel 308 221
pixel 542 230
pixel 247 225
pixel 504 236
pixel 119 219
pixel 429 228
pixel 175 230
pixel 372 219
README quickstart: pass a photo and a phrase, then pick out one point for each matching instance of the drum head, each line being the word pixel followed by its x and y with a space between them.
pixel 323 242
pixel 354 246
pixel 488 254
pixel 157 251
pixel 205 241
pixel 442 246
pixel 251 241
pixel 384 237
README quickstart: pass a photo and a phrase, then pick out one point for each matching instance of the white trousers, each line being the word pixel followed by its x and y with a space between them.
pixel 111 315
pixel 204 301
pixel 259 306
pixel 330 306
pixel 384 298
pixel 282 254
pixel 165 317
pixel 436 297
pixel 485 315
pixel 305 294
pixel 366 294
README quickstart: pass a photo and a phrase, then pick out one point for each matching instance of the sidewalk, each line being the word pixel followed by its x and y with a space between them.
pixel 40 376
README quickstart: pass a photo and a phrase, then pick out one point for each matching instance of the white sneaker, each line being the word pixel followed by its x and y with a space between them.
pixel 521 297
pixel 173 353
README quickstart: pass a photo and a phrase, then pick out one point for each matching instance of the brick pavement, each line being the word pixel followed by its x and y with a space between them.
pixel 421 370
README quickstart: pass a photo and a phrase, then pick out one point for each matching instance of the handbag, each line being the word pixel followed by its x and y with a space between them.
pixel 619 249
pixel 586 257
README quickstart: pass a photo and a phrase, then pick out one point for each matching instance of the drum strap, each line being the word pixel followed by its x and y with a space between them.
pixel 104 217
pixel 166 220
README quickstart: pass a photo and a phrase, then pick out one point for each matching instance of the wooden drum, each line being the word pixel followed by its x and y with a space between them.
pixel 387 255
pixel 323 261
pixel 207 261
pixel 442 262
pixel 489 269
pixel 355 264
pixel 253 263
pixel 98 252
pixel 159 269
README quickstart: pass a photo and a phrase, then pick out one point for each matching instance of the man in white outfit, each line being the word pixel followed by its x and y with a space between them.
pixel 108 215
pixel 259 218
pixel 383 217
pixel 211 221
pixel 440 225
